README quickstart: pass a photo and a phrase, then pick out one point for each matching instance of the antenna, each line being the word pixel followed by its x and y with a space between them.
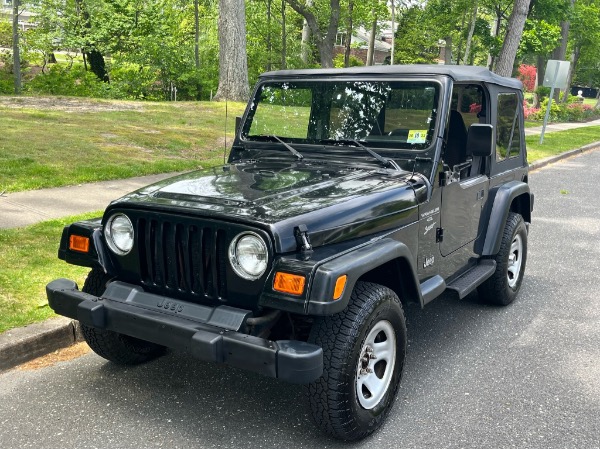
pixel 226 115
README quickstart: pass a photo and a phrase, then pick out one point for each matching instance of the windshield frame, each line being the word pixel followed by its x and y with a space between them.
pixel 387 148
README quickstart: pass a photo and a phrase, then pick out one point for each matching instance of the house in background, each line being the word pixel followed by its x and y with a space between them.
pixel 26 18
pixel 360 44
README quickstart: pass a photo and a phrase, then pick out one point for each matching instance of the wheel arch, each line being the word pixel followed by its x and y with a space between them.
pixel 368 263
pixel 515 197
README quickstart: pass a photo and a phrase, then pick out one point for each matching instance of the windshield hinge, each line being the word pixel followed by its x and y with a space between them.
pixel 302 238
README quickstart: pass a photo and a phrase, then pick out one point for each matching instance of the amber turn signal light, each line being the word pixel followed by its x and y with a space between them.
pixel 79 243
pixel 289 283
pixel 340 285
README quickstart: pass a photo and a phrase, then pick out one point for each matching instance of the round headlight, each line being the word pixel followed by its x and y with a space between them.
pixel 119 234
pixel 248 255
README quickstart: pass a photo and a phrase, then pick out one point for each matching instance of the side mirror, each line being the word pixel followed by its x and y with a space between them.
pixel 479 139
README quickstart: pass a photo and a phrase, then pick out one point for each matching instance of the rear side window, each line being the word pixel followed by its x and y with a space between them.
pixel 508 131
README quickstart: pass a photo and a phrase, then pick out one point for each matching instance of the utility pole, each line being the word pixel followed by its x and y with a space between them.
pixel 16 54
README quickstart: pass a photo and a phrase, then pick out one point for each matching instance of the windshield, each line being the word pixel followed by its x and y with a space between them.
pixel 385 114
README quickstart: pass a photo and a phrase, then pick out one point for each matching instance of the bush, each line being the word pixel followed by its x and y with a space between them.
pixel 526 74
pixel 130 81
pixel 74 81
pixel 542 92
pixel 573 112
pixel 338 61
pixel 5 34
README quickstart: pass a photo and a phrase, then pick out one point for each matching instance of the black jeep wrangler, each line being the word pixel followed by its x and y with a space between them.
pixel 347 193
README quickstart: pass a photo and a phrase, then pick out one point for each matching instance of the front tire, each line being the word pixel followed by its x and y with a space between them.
pixel 112 346
pixel 504 285
pixel 363 354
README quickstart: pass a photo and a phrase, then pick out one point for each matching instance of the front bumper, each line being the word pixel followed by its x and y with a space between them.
pixel 208 333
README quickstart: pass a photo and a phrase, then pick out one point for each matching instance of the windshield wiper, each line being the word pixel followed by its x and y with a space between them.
pixel 278 139
pixel 385 162
pixel 287 145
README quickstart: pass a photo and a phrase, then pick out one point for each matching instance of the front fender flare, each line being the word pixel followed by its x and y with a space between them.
pixel 354 264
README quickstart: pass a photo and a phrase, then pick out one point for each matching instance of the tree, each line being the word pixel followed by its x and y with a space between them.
pixel 233 63
pixel 585 41
pixel 324 32
pixel 516 22
pixel 16 51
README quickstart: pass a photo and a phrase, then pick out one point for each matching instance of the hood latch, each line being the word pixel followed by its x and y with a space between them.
pixel 302 237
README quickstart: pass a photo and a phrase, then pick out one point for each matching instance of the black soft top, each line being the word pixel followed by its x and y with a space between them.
pixel 460 73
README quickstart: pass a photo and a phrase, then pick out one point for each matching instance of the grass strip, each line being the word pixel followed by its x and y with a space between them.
pixel 47 142
pixel 558 142
pixel 28 261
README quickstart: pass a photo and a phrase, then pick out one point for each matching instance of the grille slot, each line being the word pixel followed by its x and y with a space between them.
pixel 183 258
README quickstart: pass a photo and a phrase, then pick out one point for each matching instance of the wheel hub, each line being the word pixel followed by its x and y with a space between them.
pixel 376 364
pixel 515 260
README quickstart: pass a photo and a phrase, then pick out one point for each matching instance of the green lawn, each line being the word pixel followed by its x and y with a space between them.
pixel 47 143
pixel 561 141
pixel 28 257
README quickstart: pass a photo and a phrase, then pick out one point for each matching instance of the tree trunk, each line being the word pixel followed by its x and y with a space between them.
pixel 325 42
pixel 572 68
pixel 93 56
pixel 597 100
pixel 516 22
pixel 233 63
pixel 470 35
pixel 393 32
pixel 269 46
pixel 16 52
pixel 196 35
pixel 305 45
pixel 448 51
pixel 497 22
pixel 561 53
pixel 348 42
pixel 371 49
pixel 462 26
pixel 283 37
pixel 541 73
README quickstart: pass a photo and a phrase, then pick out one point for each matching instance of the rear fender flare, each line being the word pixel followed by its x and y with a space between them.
pixel 512 196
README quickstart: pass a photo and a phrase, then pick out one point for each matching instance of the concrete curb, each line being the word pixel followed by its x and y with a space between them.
pixel 23 344
pixel 26 343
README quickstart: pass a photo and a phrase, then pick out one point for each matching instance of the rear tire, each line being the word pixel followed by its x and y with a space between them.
pixel 363 354
pixel 117 348
pixel 504 285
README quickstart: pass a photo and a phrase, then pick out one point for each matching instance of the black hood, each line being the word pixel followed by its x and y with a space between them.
pixel 335 202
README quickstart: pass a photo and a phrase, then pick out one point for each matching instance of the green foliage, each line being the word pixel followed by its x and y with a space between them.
pixel 539 37
pixel 416 43
pixel 74 81
pixel 570 112
pixel 5 33
pixel 338 61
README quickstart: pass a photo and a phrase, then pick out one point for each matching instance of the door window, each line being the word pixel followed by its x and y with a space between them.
pixel 508 130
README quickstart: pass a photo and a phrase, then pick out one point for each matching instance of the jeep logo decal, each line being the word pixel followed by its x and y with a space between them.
pixel 170 305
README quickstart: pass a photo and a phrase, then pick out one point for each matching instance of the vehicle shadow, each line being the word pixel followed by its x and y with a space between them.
pixel 227 407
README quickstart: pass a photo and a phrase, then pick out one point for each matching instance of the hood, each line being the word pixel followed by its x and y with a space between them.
pixel 334 201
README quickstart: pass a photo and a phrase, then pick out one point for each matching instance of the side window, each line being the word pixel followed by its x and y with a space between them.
pixel 508 131
pixel 468 100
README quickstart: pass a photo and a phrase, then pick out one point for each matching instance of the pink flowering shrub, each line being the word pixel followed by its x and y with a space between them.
pixel 475 108
pixel 530 112
pixel 526 74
